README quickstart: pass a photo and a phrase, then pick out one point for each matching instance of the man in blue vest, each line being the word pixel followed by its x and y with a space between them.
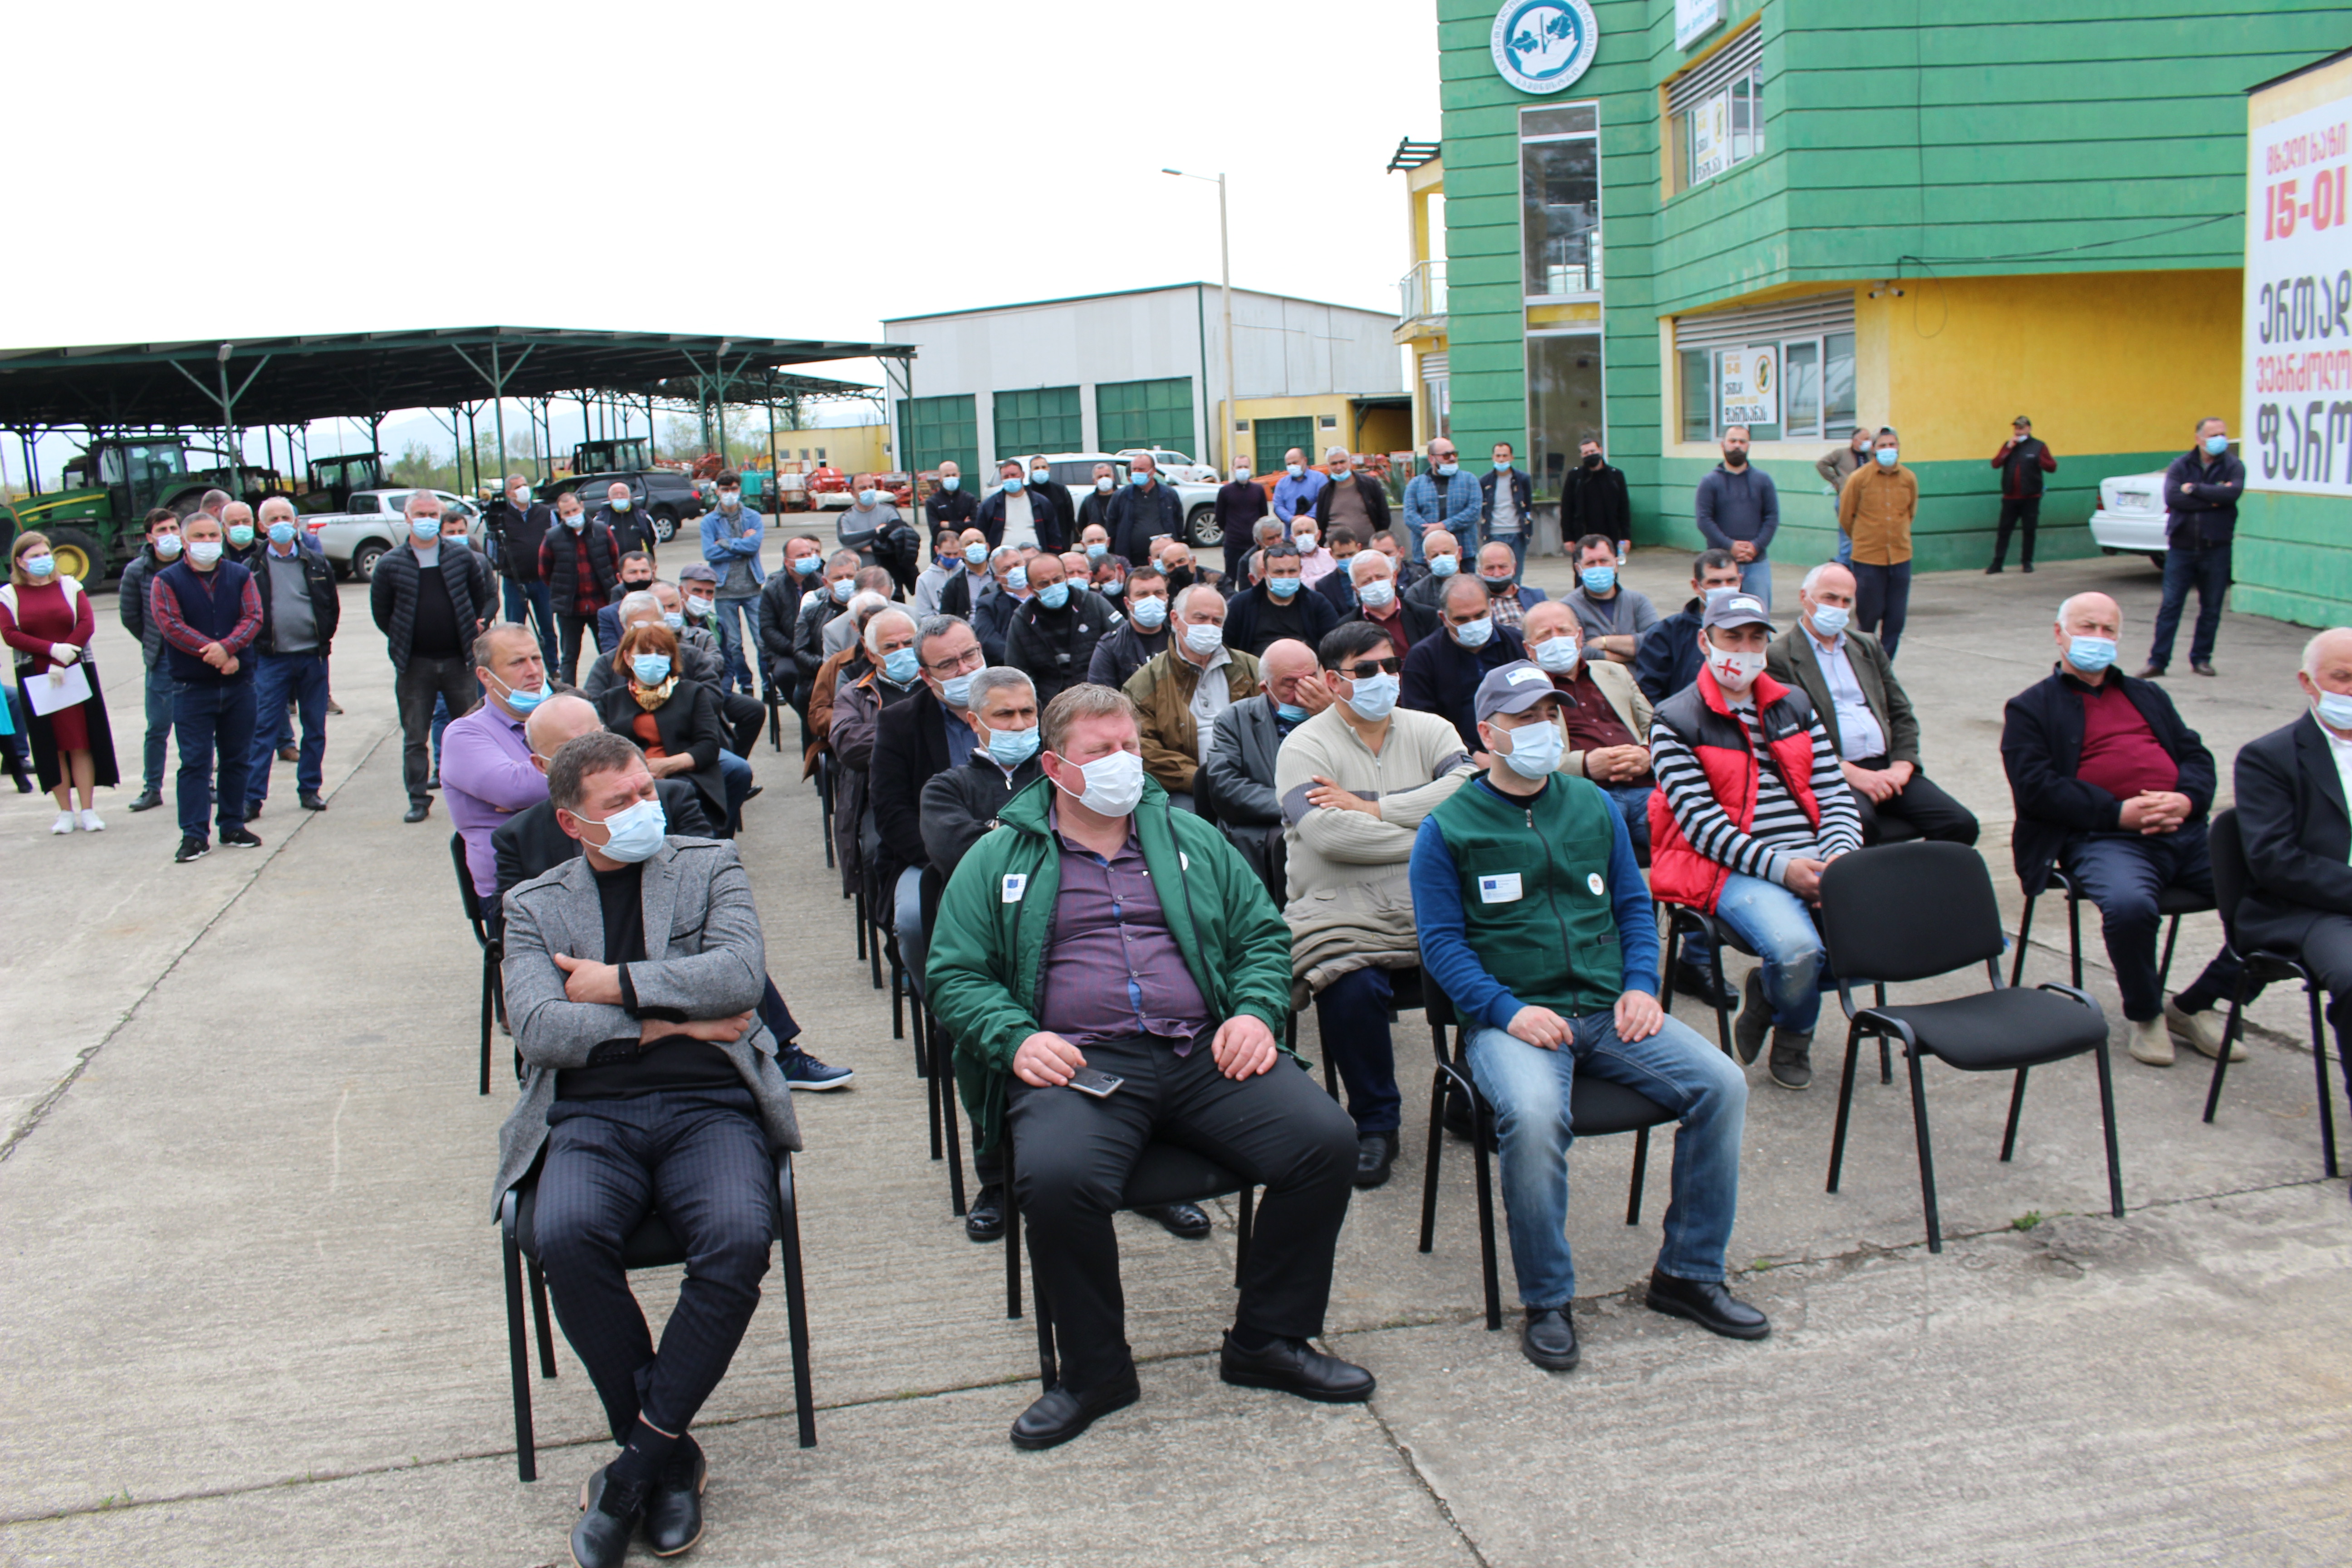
pixel 1529 873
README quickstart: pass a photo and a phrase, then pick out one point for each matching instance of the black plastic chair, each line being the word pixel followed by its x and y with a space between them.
pixel 650 1246
pixel 775 715
pixel 1166 1174
pixel 1596 1108
pixel 2260 965
pixel 2171 903
pixel 1683 921
pixel 934 1061
pixel 825 770
pixel 1911 911
pixel 494 1002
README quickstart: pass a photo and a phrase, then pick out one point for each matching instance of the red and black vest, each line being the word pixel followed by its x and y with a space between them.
pixel 1703 720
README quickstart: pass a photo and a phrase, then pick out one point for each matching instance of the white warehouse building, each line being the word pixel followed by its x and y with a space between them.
pixel 1145 367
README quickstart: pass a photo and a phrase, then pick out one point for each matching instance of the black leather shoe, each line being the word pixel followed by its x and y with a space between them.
pixel 608 1519
pixel 1061 1414
pixel 1699 985
pixel 1994 570
pixel 984 1221
pixel 1755 1020
pixel 1550 1340
pixel 148 802
pixel 240 838
pixel 419 812
pixel 1187 1220
pixel 674 1505
pixel 433 779
pixel 1706 1304
pixel 312 802
pixel 2202 668
pixel 1375 1152
pixel 2151 672
pixel 1294 1366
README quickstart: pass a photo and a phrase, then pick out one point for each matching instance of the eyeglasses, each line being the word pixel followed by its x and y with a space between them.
pixel 1365 667
pixel 970 658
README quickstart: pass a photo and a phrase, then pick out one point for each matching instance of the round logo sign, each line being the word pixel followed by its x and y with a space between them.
pixel 1544 46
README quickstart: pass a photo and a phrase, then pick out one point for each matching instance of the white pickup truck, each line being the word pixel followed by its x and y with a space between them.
pixel 2130 519
pixel 375 521
pixel 1076 469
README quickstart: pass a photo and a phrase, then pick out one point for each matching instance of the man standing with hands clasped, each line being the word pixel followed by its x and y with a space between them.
pixel 1740 510
pixel 1571 927
pixel 210 612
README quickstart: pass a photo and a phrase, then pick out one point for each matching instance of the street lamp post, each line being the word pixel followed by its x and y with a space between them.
pixel 1225 289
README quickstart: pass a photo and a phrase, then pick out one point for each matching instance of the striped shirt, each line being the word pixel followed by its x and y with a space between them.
pixel 1780 831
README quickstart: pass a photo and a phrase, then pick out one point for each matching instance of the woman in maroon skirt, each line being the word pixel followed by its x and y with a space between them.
pixel 47 620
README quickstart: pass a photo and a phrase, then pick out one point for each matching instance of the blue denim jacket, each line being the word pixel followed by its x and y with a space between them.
pixel 723 543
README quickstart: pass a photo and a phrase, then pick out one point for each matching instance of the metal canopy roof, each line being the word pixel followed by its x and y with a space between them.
pixel 286 381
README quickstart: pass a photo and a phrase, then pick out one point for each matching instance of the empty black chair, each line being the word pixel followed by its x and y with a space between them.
pixel 2232 881
pixel 493 954
pixel 1596 1108
pixel 2171 903
pixel 1911 911
pixel 1165 1174
pixel 650 1246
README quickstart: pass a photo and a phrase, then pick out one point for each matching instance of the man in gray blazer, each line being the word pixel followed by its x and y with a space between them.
pixel 1240 769
pixel 1850 681
pixel 632 976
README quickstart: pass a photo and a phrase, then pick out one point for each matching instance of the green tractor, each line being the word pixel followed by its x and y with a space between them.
pixel 94 523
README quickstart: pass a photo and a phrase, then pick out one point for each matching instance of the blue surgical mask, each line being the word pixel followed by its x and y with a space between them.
pixel 1054 596
pixel 1557 655
pixel 1534 750
pixel 1502 465
pixel 866 498
pixel 1888 457
pixel 524 702
pixel 635 834
pixel 1377 594
pixel 1011 487
pixel 168 547
pixel 1139 480
pixel 1474 633
pixel 807 565
pixel 456 541
pixel 576 521
pixel 40 565
pixel 2216 445
pixel 1011 748
pixel 1204 637
pixel 203 552
pixel 1597 579
pixel 426 529
pixel 1017 579
pixel 952 481
pixel 2090 654
pixel 1150 614
pixel 673 620
pixel 1295 471
pixel 900 665
pixel 2334 710
pixel 842 590
pixel 1830 620
pixel 281 532
pixel 1449 470
pixel 621 503
pixel 1376 696
pixel 650 669
pixel 1040 476
pixel 976 553
pixel 1281 587
pixel 1289 713
pixel 241 534
pixel 1444 565
pixel 957 689
pixel 1096 550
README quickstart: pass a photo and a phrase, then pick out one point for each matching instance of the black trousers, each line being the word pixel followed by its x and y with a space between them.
pixel 2327 953
pixel 451 679
pixel 702 1160
pixel 2022 514
pixel 1921 802
pixel 1074 1153
pixel 569 630
pixel 745 716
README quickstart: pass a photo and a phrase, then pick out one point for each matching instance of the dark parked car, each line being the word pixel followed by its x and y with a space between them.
pixel 666 496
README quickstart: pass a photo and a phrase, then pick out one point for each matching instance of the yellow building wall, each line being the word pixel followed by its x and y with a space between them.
pixel 1386 430
pixel 853 448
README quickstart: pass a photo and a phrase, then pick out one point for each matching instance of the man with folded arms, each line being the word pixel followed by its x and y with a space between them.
pixel 1527 873
pixel 631 976
pixel 1101 929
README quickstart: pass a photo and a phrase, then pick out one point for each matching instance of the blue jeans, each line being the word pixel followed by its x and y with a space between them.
pixel 1882 602
pixel 1352 1012
pixel 1755 577
pixel 532 604
pixel 1633 804
pixel 160 690
pixel 907 920
pixel 1518 544
pixel 1777 927
pixel 735 777
pixel 214 716
pixel 734 640
pixel 1846 549
pixel 301 677
pixel 2206 570
pixel 1529 1088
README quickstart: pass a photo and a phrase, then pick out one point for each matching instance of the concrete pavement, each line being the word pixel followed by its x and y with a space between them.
pixel 253 1306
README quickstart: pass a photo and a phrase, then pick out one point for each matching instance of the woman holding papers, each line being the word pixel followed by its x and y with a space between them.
pixel 46 619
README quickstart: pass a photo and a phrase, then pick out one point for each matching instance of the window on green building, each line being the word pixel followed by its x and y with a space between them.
pixel 1145 414
pixel 1715 111
pixel 935 430
pixel 1559 201
pixel 1042 419
pixel 1272 437
pixel 1564 405
pixel 1785 370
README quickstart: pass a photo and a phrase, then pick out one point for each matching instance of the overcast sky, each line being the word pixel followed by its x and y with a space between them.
pixel 784 171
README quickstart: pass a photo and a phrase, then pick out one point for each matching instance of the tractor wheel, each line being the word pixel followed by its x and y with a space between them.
pixel 1203 529
pixel 665 525
pixel 363 560
pixel 79 555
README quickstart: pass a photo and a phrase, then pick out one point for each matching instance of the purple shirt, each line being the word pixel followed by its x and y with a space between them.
pixel 1113 970
pixel 486 776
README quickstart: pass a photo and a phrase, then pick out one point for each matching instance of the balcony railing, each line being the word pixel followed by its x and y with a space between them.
pixel 1422 291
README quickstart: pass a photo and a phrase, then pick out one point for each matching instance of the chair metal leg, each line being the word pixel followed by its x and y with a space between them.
pixel 857 898
pixel 1845 1102
pixel 948 1115
pixel 873 951
pixel 1669 948
pixel 934 1092
pixel 1886 1065
pixel 2108 1117
pixel 518 1352
pixel 538 1317
pixel 796 1301
pixel 2074 931
pixel 1641 1171
pixel 1436 1151
pixel 1011 1232
pixel 2320 1065
pixel 489 1007
pixel 2164 969
pixel 2016 1104
pixel 916 1013
pixel 1247 1223
pixel 898 995
pixel 2024 930
pixel 1912 1054
pixel 2230 1027
pixel 1481 1116
pixel 1715 973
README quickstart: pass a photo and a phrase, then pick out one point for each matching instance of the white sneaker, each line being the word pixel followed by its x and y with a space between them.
pixel 2148 1041
pixel 64 824
pixel 89 821
pixel 2201 1030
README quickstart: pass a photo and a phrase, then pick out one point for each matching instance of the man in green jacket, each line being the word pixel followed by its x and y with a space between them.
pixel 1113 975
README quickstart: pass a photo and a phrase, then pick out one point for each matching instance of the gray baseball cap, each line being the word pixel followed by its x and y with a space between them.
pixel 696 571
pixel 1736 608
pixel 1513 689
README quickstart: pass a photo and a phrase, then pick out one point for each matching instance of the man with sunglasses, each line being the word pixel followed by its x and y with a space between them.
pixel 1354 781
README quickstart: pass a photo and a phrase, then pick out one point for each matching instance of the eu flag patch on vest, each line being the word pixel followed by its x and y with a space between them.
pixel 1500 888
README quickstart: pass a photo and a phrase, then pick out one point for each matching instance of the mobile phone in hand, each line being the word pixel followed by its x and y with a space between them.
pixel 1095 1082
